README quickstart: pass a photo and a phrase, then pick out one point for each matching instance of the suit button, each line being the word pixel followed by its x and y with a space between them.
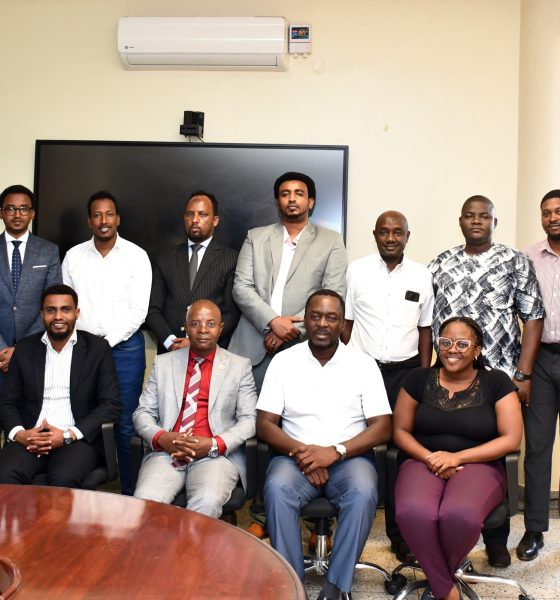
pixel 14 307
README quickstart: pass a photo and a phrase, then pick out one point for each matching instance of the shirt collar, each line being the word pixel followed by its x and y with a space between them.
pixel 204 243
pixel 94 249
pixel 11 238
pixel 544 246
pixel 335 358
pixel 383 264
pixel 288 239
pixel 210 358
pixel 72 339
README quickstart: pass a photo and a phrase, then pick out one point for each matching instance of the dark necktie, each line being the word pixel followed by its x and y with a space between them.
pixel 193 263
pixel 16 265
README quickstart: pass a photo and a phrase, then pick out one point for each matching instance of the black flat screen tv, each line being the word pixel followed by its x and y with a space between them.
pixel 152 180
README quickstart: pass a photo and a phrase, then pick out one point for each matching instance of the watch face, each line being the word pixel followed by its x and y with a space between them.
pixel 518 376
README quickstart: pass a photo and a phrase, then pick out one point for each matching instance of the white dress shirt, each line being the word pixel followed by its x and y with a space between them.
pixel 10 247
pixel 387 307
pixel 113 290
pixel 56 407
pixel 288 251
pixel 323 405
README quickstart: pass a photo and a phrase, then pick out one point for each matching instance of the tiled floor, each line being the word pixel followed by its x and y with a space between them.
pixel 541 577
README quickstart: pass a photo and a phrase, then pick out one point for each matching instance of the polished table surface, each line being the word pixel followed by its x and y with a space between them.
pixel 80 544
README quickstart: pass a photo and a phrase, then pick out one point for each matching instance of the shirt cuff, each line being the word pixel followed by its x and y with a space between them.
pixel 79 435
pixel 155 444
pixel 221 445
pixel 168 342
pixel 12 434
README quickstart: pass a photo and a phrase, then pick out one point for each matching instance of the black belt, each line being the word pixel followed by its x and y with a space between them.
pixel 554 348
pixel 409 363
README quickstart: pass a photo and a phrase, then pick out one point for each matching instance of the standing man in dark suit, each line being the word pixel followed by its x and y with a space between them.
pixel 28 265
pixel 61 387
pixel 200 269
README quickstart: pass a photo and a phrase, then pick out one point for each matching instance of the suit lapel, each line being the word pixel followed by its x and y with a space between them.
pixel 304 242
pixel 5 264
pixel 30 258
pixel 39 359
pixel 275 241
pixel 210 256
pixel 178 374
pixel 219 370
pixel 78 358
pixel 182 266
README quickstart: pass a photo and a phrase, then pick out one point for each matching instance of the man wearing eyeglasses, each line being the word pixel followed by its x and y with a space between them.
pixel 28 265
pixel 496 286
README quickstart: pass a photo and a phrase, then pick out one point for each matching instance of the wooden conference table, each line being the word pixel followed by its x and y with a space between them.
pixel 80 544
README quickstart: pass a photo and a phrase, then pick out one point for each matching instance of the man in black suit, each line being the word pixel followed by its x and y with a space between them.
pixel 28 265
pixel 61 386
pixel 200 269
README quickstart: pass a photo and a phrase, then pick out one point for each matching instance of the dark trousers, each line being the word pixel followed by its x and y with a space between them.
pixel 66 466
pixel 540 419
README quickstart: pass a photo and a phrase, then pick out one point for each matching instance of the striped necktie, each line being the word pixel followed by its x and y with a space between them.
pixel 189 405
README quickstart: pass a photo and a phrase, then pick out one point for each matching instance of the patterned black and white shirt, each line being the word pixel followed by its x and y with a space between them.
pixel 494 288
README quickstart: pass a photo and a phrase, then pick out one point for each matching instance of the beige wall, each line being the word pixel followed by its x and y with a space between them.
pixel 425 93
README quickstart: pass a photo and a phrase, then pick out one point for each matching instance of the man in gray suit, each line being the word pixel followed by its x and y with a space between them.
pixel 279 267
pixel 196 411
pixel 28 265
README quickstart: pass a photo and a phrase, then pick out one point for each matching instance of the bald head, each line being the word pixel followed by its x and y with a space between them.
pixel 394 215
pixel 203 327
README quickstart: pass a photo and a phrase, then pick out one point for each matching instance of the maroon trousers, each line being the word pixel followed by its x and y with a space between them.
pixel 441 519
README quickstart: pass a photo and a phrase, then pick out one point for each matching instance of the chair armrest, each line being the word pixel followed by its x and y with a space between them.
pixel 251 462
pixel 137 450
pixel 512 477
pixel 110 449
pixel 380 452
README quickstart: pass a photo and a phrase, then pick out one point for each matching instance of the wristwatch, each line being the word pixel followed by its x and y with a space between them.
pixel 341 449
pixel 67 437
pixel 520 376
pixel 213 452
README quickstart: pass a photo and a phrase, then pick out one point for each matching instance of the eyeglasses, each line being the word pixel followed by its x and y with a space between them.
pixel 444 343
pixel 11 210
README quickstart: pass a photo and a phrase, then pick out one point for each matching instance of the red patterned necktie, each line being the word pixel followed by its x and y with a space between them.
pixel 189 405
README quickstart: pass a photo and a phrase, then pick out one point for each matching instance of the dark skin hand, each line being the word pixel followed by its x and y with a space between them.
pixel 42 439
pixel 184 446
pixel 272 342
pixel 283 328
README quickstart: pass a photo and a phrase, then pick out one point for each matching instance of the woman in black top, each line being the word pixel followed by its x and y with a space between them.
pixel 454 421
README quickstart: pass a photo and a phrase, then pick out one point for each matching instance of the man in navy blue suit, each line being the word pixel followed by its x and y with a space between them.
pixel 28 265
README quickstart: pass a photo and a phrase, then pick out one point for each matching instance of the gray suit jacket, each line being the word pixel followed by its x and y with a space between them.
pixel 19 313
pixel 231 405
pixel 319 262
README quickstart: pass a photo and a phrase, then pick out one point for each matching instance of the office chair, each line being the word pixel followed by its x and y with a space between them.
pixel 238 496
pixel 321 512
pixel 466 573
pixel 105 472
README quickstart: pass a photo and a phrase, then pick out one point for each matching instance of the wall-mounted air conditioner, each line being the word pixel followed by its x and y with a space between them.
pixel 204 43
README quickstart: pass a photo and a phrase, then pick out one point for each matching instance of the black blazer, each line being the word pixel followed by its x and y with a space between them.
pixel 94 391
pixel 172 294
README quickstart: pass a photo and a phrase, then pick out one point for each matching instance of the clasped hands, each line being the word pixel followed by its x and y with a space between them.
pixel 313 461
pixel 41 439
pixel 282 330
pixel 443 464
pixel 184 446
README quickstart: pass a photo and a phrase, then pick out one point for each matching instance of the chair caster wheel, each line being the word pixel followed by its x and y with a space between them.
pixel 396 584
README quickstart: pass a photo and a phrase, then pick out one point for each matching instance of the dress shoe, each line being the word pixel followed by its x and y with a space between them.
pixel 427 594
pixel 257 530
pixel 312 543
pixel 498 555
pixel 401 550
pixel 529 546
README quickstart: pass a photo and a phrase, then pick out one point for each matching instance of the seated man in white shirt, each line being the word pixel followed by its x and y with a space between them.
pixel 334 410
pixel 61 387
